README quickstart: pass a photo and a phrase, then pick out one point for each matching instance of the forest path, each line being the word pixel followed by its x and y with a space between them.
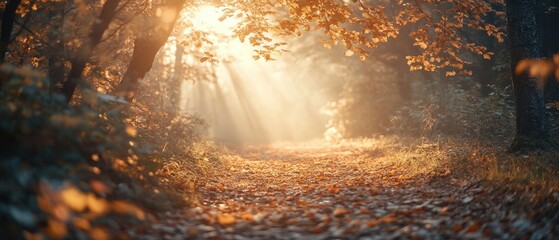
pixel 320 192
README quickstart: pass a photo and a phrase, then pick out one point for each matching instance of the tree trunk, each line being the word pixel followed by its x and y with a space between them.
pixel 404 86
pixel 142 61
pixel 56 47
pixel 548 19
pixel 525 43
pixel 145 50
pixel 174 87
pixel 8 19
pixel 84 53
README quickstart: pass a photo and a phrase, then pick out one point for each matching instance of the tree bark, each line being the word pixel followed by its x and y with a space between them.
pixel 84 53
pixel 548 19
pixel 8 19
pixel 56 70
pixel 174 87
pixel 145 50
pixel 525 43
pixel 142 61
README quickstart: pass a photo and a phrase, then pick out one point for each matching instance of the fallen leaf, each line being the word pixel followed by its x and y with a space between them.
pixel 474 227
pixel 457 228
pixel 338 212
pixel 124 207
pixel 319 229
pixel 56 229
pixel 373 223
pixel 207 219
pixel 247 217
pixel 81 223
pixel 226 219
pixel 444 210
pixel 98 187
pixel 99 234
pixel 334 190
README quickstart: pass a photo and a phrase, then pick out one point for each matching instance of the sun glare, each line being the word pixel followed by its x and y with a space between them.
pixel 251 101
pixel 209 18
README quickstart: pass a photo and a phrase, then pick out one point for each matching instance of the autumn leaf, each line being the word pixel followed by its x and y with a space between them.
pixel 124 207
pixel 334 189
pixel 74 198
pixel 81 223
pixel 56 229
pixel 247 217
pixel 131 131
pixel 97 205
pixel 338 212
pixel 226 219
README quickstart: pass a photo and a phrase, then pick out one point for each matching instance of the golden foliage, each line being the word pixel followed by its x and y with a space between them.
pixel 359 26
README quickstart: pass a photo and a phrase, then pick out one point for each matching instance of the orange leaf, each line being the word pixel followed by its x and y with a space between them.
pixel 474 227
pixel 319 229
pixel 389 218
pixel 74 198
pixel 457 228
pixel 98 187
pixel 56 229
pixel 338 212
pixel 247 217
pixel 334 190
pixel 444 210
pixel 373 223
pixel 97 205
pixel 124 207
pixel 226 219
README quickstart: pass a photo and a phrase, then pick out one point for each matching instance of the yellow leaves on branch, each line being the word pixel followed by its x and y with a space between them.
pixel 362 25
pixel 488 55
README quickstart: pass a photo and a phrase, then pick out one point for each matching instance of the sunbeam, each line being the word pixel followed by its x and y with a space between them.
pixel 258 102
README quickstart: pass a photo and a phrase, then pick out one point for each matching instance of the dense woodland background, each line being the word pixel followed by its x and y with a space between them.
pixel 91 108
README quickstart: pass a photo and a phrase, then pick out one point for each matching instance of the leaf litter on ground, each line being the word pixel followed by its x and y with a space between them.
pixel 358 191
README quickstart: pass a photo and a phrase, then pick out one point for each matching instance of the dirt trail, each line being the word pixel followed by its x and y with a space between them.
pixel 291 192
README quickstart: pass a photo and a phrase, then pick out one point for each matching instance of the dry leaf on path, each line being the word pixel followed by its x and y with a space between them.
pixel 226 219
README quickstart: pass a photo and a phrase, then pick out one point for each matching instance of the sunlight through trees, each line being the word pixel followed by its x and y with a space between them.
pixel 279 119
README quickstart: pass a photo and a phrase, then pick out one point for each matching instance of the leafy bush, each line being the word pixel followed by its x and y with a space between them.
pixel 453 115
pixel 48 148
pixel 175 151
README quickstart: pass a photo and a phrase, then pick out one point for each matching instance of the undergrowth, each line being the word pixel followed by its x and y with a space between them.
pixel 449 160
pixel 70 171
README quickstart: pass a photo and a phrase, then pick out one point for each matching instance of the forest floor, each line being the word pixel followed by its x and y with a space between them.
pixel 359 190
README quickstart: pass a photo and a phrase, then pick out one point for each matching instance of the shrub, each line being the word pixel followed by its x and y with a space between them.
pixel 50 149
